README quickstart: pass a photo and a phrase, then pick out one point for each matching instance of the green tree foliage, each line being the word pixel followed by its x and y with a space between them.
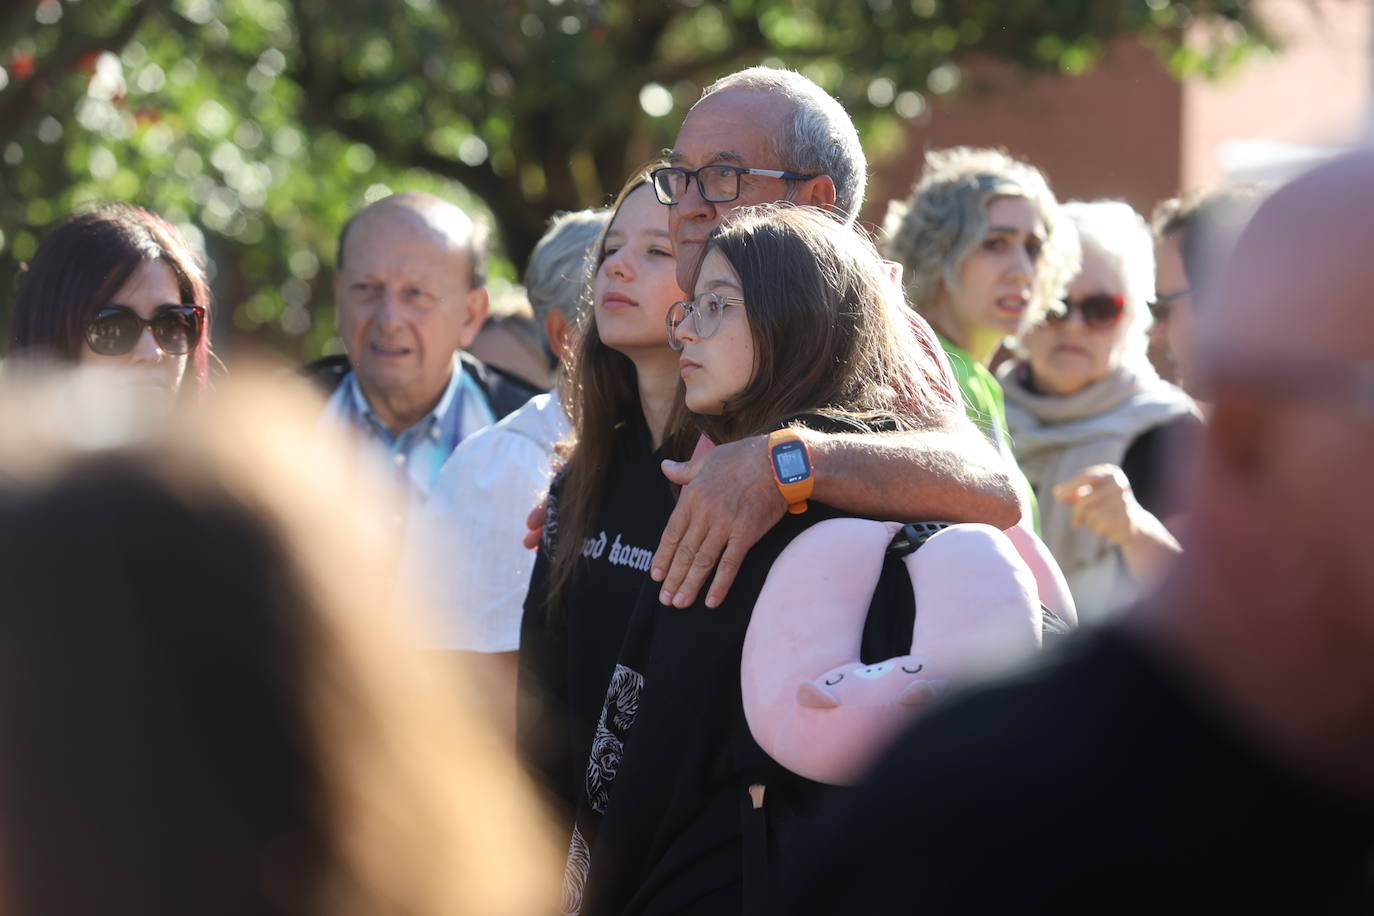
pixel 259 125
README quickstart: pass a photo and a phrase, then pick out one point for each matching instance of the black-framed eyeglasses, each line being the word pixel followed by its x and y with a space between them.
pixel 1161 306
pixel 719 184
pixel 1100 311
pixel 705 311
pixel 115 329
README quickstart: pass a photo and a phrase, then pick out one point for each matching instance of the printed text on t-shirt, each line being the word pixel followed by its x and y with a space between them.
pixel 621 554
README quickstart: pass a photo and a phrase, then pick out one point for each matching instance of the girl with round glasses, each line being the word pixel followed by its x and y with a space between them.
pixel 794 321
pixel 1091 419
pixel 117 287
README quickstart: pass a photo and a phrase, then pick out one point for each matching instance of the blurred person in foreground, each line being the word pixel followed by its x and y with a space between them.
pixel 1213 750
pixel 116 287
pixel 466 543
pixel 985 252
pixel 1192 234
pixel 205 706
pixel 1093 426
pixel 410 289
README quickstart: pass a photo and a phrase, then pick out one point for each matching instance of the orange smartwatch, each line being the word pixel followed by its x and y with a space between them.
pixel 791 461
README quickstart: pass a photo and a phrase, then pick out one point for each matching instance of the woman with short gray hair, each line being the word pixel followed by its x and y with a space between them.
pixel 1090 417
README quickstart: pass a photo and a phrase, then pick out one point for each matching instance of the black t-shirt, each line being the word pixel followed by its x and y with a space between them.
pixel 1099 783
pixel 666 822
pixel 665 817
pixel 567 655
pixel 1152 464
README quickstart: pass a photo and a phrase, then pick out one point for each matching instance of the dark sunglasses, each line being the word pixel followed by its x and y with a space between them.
pixel 1099 311
pixel 115 329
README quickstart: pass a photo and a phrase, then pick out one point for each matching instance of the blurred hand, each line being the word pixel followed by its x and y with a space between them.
pixel 1102 502
pixel 729 500
pixel 535 523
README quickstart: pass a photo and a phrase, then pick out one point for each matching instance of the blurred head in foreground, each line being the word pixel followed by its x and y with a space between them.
pixel 205 705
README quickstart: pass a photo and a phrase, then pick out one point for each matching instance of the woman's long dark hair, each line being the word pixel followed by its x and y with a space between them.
pixel 600 394
pixel 82 263
pixel 830 331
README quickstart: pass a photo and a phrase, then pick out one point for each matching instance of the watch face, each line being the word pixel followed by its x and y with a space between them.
pixel 789 462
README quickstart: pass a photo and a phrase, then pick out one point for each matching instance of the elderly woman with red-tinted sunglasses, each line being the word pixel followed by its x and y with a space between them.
pixel 1093 426
pixel 118 287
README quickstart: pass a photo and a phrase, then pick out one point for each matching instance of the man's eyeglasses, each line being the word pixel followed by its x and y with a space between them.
pixel 1099 311
pixel 115 329
pixel 719 184
pixel 1161 306
pixel 705 311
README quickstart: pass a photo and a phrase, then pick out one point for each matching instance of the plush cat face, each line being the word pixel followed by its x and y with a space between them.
pixel 975 600
pixel 903 680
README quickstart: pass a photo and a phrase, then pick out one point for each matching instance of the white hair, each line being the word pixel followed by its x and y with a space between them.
pixel 560 265
pixel 818 138
pixel 1119 234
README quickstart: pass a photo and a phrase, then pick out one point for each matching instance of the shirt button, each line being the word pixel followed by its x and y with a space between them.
pixel 399 458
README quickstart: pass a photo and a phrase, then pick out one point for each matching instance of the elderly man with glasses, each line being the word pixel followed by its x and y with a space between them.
pixel 759 136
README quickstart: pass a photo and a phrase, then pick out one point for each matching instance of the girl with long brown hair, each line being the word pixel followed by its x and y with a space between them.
pixel 795 320
pixel 609 502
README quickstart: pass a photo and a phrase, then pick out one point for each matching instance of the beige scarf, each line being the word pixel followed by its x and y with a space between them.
pixel 1054 437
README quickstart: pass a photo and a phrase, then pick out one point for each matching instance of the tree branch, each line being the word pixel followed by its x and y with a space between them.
pixel 486 39
pixel 24 105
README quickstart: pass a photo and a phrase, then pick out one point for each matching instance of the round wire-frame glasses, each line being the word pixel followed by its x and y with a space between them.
pixel 705 311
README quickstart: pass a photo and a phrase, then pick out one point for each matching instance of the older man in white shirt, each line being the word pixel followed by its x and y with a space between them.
pixel 466 544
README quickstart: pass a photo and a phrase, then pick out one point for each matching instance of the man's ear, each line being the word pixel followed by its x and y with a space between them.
pixel 818 192
pixel 477 304
pixel 338 297
pixel 559 331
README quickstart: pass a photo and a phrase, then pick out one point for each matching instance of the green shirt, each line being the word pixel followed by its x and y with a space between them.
pixel 986 407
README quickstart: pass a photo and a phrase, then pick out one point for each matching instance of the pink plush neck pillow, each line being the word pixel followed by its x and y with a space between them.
pixel 810 703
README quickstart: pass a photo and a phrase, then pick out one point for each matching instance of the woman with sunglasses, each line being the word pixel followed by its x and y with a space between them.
pixel 984 250
pixel 118 287
pixel 1090 417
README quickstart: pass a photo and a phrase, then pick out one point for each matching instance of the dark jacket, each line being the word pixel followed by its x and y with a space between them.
pixel 505 393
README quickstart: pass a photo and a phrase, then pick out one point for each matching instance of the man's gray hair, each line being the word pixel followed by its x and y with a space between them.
pixel 559 268
pixel 817 139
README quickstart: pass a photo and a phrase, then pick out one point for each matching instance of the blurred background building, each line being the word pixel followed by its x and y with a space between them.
pixel 1128 129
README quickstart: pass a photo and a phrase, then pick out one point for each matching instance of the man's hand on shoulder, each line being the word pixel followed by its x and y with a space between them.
pixel 729 501
pixel 534 524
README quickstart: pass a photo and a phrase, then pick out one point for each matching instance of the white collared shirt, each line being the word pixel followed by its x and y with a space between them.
pixel 420 451
pixel 465 547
